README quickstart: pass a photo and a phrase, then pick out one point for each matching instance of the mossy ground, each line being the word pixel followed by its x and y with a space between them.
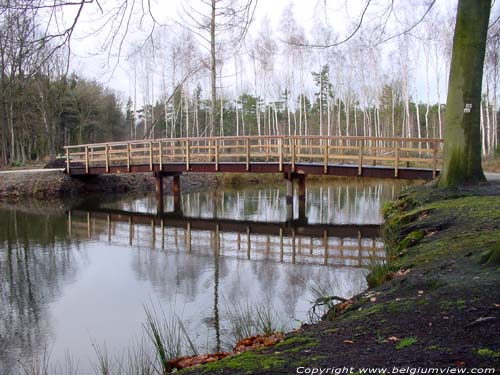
pixel 444 312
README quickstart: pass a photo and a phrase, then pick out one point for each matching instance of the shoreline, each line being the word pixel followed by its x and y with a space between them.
pixel 54 184
pixel 437 302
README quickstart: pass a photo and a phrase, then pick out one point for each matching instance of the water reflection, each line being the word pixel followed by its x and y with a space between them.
pixel 70 278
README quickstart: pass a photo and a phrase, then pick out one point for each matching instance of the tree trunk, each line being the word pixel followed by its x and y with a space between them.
pixel 462 148
pixel 213 76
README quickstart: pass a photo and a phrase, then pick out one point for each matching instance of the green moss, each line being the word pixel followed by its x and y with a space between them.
pixel 299 342
pixel 411 239
pixel 406 342
pixel 248 361
pixel 485 352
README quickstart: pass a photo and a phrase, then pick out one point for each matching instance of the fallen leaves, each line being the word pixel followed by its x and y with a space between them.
pixel 393 339
pixel 348 342
pixel 255 342
pixel 184 362
pixel 401 273
pixel 248 343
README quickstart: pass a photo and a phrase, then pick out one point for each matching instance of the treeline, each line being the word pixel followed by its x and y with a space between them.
pixel 41 107
pixel 187 115
pixel 276 84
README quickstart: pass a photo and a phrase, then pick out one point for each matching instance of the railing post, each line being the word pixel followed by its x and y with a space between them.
pixel 325 244
pixel 434 160
pixel 160 150
pixel 293 154
pixel 360 161
pixel 67 161
pixel 150 156
pixel 326 156
pixel 106 153
pixel 247 145
pixel 280 152
pixel 187 154
pixel 87 159
pixel 128 156
pixel 216 141
pixel 396 162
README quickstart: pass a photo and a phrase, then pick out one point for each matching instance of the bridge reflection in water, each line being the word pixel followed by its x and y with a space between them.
pixel 295 241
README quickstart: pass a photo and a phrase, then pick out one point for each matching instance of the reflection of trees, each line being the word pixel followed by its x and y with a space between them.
pixel 35 263
pixel 344 201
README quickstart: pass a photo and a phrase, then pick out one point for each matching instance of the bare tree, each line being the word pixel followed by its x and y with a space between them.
pixel 218 23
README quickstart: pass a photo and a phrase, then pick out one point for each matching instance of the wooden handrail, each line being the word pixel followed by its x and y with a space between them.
pixel 325 150
pixel 263 137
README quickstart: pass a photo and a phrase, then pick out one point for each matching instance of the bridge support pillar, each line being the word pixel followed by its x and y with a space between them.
pixel 289 199
pixel 301 180
pixel 159 193
pixel 176 192
pixel 302 196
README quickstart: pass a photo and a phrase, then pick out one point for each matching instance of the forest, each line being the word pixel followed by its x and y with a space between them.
pixel 244 75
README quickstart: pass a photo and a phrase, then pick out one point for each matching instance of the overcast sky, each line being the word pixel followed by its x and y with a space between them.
pixel 88 62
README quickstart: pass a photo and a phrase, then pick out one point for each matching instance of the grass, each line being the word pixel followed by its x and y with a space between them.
pixel 406 342
pixel 169 337
pixel 325 298
pixel 379 273
pixel 247 319
pixel 485 352
pixel 40 364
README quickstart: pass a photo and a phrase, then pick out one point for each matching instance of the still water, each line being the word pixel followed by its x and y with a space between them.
pixel 75 278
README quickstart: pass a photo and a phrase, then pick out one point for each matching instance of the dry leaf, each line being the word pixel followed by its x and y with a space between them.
pixel 393 339
pixel 184 362
pixel 256 342
pixel 348 342
pixel 373 299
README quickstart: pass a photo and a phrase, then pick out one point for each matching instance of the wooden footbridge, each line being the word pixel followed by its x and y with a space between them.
pixel 294 156
pixel 404 158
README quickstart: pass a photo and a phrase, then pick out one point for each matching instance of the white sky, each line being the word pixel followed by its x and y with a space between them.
pixel 84 47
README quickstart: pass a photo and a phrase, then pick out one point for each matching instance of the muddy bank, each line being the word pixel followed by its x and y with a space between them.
pixel 437 303
pixel 48 185
pixel 58 185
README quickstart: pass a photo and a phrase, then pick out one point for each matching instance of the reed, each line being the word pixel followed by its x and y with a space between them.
pixel 168 336
pixel 247 319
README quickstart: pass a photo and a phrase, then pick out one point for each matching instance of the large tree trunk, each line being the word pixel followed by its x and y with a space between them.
pixel 462 148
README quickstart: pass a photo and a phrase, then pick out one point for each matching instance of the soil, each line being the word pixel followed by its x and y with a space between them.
pixel 440 308
pixel 49 185
pixel 58 185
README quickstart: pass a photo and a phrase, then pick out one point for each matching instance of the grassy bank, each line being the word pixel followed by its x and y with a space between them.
pixel 436 303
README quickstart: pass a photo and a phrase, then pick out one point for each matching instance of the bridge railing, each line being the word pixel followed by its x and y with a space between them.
pixel 360 151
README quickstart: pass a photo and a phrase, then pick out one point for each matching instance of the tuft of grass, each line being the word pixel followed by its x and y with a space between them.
pixel 486 352
pixel 103 365
pixel 168 336
pixel 247 319
pixel 139 361
pixel 379 273
pixel 406 342
pixel 491 257
pixel 38 365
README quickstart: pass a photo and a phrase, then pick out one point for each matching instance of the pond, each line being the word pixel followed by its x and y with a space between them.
pixel 78 279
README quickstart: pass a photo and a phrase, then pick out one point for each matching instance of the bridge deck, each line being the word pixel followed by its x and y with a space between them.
pixel 406 158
